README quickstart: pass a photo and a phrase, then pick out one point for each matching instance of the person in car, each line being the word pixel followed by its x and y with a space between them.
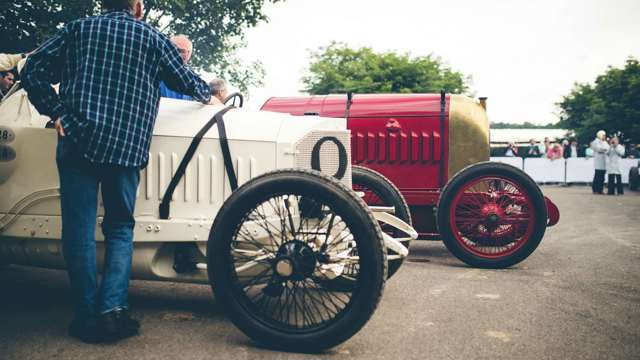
pixel 185 47
pixel 6 82
pixel 614 154
pixel 109 68
pixel 600 147
pixel 218 89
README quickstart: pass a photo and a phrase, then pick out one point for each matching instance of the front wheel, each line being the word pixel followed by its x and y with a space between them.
pixel 492 215
pixel 278 243
pixel 380 191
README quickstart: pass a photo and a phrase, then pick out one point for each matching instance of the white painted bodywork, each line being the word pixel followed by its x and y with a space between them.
pixel 259 142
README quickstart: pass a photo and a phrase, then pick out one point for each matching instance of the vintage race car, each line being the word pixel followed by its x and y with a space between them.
pixel 257 204
pixel 435 149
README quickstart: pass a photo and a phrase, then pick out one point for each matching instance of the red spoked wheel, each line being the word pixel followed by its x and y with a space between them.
pixel 492 215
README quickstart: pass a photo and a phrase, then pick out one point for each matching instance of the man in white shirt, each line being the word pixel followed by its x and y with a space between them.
pixel 615 153
pixel 600 147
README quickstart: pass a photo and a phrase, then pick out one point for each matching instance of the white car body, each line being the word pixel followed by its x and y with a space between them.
pixel 259 141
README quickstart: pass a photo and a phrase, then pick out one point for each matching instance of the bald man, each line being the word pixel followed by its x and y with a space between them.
pixel 185 48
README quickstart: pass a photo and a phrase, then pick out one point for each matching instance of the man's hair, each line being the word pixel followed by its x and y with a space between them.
pixel 182 40
pixel 4 73
pixel 118 4
pixel 217 85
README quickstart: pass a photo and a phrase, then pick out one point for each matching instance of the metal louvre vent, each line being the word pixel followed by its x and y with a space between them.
pixel 331 148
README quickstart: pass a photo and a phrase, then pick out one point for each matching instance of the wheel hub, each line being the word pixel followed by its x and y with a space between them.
pixel 295 260
pixel 284 267
pixel 493 218
pixel 492 213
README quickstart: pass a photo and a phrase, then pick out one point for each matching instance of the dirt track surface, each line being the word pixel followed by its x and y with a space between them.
pixel 576 297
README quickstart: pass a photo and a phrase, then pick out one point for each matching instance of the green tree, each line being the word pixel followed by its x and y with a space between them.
pixel 216 28
pixel 337 68
pixel 612 103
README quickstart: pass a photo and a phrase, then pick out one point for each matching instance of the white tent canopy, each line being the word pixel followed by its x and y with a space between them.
pixel 524 135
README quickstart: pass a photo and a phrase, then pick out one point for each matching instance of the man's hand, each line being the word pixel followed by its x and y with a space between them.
pixel 215 101
pixel 59 127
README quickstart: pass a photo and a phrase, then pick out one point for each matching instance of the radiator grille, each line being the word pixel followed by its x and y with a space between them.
pixel 329 152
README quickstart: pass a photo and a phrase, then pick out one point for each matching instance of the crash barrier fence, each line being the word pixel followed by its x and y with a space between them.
pixel 572 170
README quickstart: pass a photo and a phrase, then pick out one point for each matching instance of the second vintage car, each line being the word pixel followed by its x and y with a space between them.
pixel 435 149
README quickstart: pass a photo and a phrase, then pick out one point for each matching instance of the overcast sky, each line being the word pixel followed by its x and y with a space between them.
pixel 523 55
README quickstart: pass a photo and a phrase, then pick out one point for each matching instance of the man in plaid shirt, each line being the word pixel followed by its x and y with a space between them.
pixel 109 68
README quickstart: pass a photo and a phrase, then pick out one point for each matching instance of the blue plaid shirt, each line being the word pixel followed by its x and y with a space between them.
pixel 109 68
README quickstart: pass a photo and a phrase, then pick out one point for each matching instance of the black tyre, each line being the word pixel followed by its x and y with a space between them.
pixel 275 244
pixel 491 215
pixel 380 191
pixel 634 178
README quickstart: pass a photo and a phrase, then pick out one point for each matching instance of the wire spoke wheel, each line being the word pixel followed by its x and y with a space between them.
pixel 491 215
pixel 277 245
pixel 282 256
pixel 380 191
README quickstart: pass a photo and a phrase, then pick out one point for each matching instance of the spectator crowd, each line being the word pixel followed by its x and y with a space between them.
pixel 562 149
pixel 606 152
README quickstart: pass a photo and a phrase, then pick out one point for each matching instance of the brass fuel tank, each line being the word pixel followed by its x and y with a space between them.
pixel 468 133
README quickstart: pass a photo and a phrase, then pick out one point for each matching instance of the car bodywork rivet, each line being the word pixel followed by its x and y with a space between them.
pixel 157 228
pixel 149 228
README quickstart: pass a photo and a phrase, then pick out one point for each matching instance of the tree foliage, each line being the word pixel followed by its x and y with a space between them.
pixel 216 28
pixel 612 103
pixel 337 68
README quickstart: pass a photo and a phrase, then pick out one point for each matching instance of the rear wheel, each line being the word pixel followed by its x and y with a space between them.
pixel 492 215
pixel 276 244
pixel 380 191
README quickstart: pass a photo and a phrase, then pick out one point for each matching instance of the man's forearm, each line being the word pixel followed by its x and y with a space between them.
pixel 199 89
pixel 43 97
pixel 9 61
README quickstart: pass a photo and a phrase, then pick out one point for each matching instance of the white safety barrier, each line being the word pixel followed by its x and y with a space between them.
pixel 543 170
pixel 579 170
pixel 625 166
pixel 513 161
pixel 572 170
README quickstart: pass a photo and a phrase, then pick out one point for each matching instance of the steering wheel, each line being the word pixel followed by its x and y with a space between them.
pixel 233 97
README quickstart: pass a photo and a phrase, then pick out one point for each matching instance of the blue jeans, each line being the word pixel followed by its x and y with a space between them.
pixel 79 182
